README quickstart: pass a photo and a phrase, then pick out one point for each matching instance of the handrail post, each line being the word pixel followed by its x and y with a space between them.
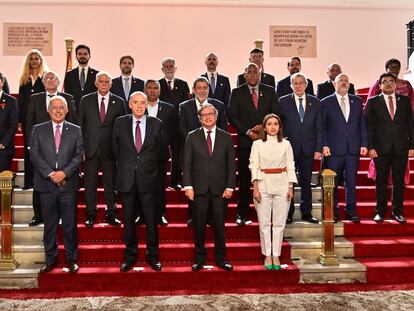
pixel 327 256
pixel 6 261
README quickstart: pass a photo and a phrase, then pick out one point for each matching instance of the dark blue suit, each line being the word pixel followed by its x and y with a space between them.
pixel 306 139
pixel 117 88
pixel 9 116
pixel 283 87
pixel 344 139
pixel 222 91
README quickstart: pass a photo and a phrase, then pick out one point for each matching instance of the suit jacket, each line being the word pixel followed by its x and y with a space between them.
pixel 243 114
pixel 327 88
pixel 386 135
pixel 46 160
pixel 179 94
pixel 265 78
pixel 37 112
pixel 283 87
pixel 6 87
pixel 189 121
pixel 9 117
pixel 118 87
pixel 96 134
pixel 339 135
pixel 132 167
pixel 222 91
pixel 306 136
pixel 166 114
pixel 209 174
pixel 73 87
pixel 25 92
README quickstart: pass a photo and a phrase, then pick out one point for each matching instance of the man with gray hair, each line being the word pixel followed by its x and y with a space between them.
pixel 96 116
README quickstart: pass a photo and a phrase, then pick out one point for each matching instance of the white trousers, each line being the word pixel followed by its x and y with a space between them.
pixel 272 213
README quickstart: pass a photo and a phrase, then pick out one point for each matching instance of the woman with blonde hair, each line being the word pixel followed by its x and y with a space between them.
pixel 273 174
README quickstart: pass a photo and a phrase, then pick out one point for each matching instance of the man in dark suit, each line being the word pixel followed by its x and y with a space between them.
pixel 56 149
pixel 344 139
pixel 209 179
pixel 219 84
pixel 165 112
pixel 96 116
pixel 301 116
pixel 327 88
pixel 256 57
pixel 9 117
pixel 126 84
pixel 283 86
pixel 249 104
pixel 136 141
pixel 37 113
pixel 390 125
pixel 80 81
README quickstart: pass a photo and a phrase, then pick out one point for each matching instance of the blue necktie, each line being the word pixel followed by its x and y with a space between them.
pixel 301 109
pixel 213 83
pixel 126 88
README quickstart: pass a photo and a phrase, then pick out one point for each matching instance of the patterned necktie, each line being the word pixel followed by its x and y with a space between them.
pixel 391 103
pixel 213 83
pixel 169 85
pixel 301 109
pixel 58 137
pixel 254 98
pixel 209 143
pixel 138 139
pixel 126 88
pixel 82 79
pixel 343 106
pixel 102 109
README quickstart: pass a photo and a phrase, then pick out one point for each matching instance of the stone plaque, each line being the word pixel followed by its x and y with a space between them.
pixel 289 41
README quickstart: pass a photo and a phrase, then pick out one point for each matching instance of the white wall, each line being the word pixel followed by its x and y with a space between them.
pixel 360 40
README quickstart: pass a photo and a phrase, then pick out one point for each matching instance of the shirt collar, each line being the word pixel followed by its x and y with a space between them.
pixel 213 130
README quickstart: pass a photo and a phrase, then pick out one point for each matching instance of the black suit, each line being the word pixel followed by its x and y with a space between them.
pixel 177 95
pixel 36 114
pixel 222 90
pixel 72 84
pixel 283 87
pixel 391 138
pixel 137 176
pixel 209 176
pixel 9 117
pixel 6 88
pixel 265 78
pixel 244 116
pixel 327 88
pixel 98 150
pixel 118 88
pixel 57 201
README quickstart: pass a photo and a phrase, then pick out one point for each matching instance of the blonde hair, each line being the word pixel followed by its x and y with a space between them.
pixel 25 71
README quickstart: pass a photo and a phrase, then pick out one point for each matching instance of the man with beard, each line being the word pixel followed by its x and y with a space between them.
pixel 80 81
pixel 327 88
pixel 256 57
pixel 126 84
pixel 283 86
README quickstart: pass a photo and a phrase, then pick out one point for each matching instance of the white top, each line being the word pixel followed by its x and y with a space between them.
pixel 272 154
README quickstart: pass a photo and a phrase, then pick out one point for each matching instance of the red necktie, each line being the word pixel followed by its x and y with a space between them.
pixel 58 137
pixel 138 140
pixel 102 110
pixel 255 99
pixel 169 85
pixel 391 103
pixel 209 143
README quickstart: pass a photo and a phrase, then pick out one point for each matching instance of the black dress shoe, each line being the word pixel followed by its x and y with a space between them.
pixel 240 221
pixel 35 221
pixel 378 218
pixel 90 222
pixel 155 265
pixel 112 220
pixel 163 221
pixel 289 221
pixel 126 266
pixel 190 223
pixel 196 266
pixel 354 219
pixel 400 218
pixel 48 267
pixel 225 266
pixel 310 219
pixel 177 187
pixel 73 267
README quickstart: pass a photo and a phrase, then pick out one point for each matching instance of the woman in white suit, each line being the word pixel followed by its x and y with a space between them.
pixel 273 175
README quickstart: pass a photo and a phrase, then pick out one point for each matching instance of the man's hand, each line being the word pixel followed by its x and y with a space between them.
pixel 227 194
pixel 254 135
pixel 58 177
pixel 189 193
pixel 326 151
pixel 411 152
pixel 372 153
pixel 363 151
pixel 257 128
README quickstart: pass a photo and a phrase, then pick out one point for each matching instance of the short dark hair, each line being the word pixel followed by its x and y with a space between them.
pixel 151 81
pixel 200 79
pixel 387 74
pixel 82 46
pixel 293 58
pixel 1 77
pixel 392 61
pixel 257 50
pixel 263 134
pixel 126 56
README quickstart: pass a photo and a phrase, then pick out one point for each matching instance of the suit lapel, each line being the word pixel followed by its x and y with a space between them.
pixel 148 130
pixel 248 94
pixel 383 107
pixel 110 110
pixel 64 134
pixel 295 110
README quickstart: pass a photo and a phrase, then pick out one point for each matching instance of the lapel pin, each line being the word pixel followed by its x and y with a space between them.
pixel 113 102
pixel 221 84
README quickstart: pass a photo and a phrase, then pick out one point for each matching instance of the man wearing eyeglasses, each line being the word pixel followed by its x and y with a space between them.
pixel 390 124
pixel 209 177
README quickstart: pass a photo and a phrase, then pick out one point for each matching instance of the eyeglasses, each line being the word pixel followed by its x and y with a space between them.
pixel 388 82
pixel 210 114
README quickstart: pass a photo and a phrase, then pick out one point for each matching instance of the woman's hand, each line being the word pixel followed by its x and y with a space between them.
pixel 256 193
pixel 289 194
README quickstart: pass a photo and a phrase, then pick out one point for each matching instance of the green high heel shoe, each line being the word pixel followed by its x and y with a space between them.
pixel 276 267
pixel 269 266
